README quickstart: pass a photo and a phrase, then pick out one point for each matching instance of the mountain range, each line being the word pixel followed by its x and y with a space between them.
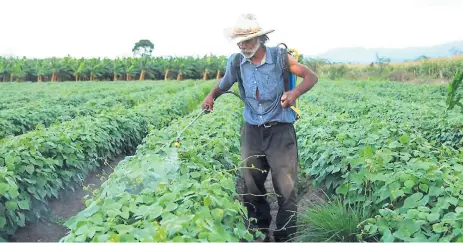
pixel 367 55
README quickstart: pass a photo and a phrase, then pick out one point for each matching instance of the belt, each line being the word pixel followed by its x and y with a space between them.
pixel 269 124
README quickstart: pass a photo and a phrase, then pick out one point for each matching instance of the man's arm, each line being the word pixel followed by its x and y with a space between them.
pixel 224 84
pixel 309 79
pixel 217 91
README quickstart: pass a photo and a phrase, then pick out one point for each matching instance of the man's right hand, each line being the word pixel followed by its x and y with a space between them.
pixel 208 103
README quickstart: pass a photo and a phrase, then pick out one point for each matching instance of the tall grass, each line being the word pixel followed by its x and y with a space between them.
pixel 331 221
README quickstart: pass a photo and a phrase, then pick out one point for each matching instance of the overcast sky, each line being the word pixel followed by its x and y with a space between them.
pixel 104 28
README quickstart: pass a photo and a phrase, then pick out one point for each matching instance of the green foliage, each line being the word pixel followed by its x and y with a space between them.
pixel 37 165
pixel 315 64
pixel 157 196
pixel 337 72
pixel 331 221
pixel 455 91
pixel 424 69
pixel 391 151
pixel 391 147
pixel 49 110
pixel 143 48
pixel 105 69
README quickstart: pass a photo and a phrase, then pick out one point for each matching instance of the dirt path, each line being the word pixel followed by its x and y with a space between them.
pixel 305 199
pixel 50 228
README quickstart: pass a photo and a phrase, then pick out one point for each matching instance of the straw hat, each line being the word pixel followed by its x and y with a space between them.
pixel 245 28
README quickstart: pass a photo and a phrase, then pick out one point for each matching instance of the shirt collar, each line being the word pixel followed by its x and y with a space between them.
pixel 266 59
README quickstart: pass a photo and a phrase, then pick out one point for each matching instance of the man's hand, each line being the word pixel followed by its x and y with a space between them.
pixel 208 103
pixel 289 98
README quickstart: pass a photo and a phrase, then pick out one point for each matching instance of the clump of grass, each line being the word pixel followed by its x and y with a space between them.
pixel 331 221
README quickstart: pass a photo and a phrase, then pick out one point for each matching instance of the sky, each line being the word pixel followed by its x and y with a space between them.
pixel 103 28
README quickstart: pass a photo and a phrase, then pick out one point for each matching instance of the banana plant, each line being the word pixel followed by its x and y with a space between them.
pixel 97 68
pixel 116 68
pixel 70 67
pixel 167 64
pixel 82 66
pixel 185 67
pixel 221 68
pixel 143 65
pixel 128 67
pixel 210 66
pixel 18 72
pixel 41 69
pixel 201 64
pixel 55 66
pixel 8 68
pixel 157 67
pixel 2 69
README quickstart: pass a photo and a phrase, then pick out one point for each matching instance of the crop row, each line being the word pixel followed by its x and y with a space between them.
pixel 424 113
pixel 20 120
pixel 15 95
pixel 35 166
pixel 372 151
pixel 161 194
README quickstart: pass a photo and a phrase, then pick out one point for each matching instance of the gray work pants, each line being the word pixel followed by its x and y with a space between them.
pixel 279 145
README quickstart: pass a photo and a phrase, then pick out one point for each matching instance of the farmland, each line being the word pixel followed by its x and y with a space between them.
pixel 391 147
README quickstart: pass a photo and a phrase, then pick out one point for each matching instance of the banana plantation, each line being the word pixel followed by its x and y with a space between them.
pixel 140 68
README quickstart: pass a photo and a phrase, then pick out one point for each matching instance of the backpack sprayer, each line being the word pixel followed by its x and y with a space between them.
pixel 288 78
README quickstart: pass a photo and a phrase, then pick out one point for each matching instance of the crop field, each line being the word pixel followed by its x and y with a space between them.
pixel 392 148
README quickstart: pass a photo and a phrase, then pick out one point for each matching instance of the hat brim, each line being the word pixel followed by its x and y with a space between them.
pixel 238 39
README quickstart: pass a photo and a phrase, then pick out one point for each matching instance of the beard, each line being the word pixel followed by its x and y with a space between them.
pixel 248 53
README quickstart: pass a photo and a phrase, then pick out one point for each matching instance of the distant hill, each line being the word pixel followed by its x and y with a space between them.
pixel 367 55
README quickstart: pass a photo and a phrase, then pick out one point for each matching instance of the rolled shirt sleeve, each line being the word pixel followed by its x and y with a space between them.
pixel 229 78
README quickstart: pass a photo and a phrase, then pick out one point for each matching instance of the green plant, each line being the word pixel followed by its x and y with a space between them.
pixel 337 71
pixel 331 221
pixel 35 166
pixel 455 91
pixel 48 110
pixel 391 147
pixel 167 194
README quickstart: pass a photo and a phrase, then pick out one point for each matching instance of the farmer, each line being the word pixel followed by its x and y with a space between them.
pixel 268 128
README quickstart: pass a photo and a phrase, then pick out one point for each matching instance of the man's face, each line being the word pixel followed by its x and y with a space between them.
pixel 249 47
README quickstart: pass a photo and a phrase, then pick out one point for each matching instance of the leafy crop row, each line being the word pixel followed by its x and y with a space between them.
pixel 159 195
pixel 15 95
pixel 380 151
pixel 420 108
pixel 20 120
pixel 36 165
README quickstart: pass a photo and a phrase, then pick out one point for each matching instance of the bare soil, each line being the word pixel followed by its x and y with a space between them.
pixel 50 227
pixel 305 199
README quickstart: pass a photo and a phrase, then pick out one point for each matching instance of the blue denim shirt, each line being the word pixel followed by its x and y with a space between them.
pixel 268 78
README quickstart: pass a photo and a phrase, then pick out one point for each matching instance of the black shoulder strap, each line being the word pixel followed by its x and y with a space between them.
pixel 236 64
pixel 285 65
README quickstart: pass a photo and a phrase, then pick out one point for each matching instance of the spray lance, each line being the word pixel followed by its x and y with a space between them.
pixel 204 111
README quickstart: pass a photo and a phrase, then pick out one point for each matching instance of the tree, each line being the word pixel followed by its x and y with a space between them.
pixel 143 48
pixel 422 57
